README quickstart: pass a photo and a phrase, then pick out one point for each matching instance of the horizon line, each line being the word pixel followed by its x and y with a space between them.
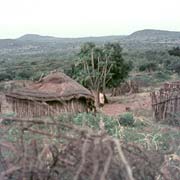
pixel 88 36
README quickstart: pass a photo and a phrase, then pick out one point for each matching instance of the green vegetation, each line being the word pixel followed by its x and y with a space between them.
pixel 150 136
pixel 92 121
pixel 149 67
pixel 152 79
pixel 175 65
pixel 31 55
pixel 154 137
pixel 100 66
pixel 175 51
pixel 130 130
pixel 126 119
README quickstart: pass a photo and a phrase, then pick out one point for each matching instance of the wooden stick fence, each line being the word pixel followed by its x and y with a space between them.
pixel 166 102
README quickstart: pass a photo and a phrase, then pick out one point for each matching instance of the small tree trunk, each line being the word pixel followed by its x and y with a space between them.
pixel 113 92
pixel 96 97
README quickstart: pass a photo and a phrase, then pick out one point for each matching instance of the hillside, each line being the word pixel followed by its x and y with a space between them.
pixel 37 38
pixel 37 53
pixel 37 44
pixel 158 36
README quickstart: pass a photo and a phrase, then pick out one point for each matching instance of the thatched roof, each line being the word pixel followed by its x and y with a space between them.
pixel 56 86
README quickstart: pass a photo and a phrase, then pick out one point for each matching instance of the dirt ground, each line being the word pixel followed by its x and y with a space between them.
pixel 120 104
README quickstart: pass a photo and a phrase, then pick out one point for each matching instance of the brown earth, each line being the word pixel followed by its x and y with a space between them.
pixel 121 104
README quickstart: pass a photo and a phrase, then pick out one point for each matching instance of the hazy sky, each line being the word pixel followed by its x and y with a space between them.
pixel 77 18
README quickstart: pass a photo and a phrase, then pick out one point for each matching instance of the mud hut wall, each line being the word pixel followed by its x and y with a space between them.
pixel 28 108
pixel 5 107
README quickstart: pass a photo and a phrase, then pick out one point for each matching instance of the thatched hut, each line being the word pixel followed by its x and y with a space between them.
pixel 54 94
pixel 0 103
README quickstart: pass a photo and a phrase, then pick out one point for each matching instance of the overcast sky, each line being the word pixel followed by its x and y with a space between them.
pixel 78 18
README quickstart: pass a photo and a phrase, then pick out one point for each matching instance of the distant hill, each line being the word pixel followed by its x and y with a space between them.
pixel 35 37
pixel 152 32
pixel 33 44
pixel 39 38
pixel 155 35
pixel 147 34
pixel 43 46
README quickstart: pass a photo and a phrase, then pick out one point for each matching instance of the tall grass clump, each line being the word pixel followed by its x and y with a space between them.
pixel 126 119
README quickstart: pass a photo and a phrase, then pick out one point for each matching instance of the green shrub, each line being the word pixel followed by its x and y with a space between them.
pixel 5 76
pixel 90 120
pixel 161 76
pixel 126 119
pixel 24 74
pixel 146 80
pixel 84 119
pixel 148 66
pixel 143 80
pixel 36 75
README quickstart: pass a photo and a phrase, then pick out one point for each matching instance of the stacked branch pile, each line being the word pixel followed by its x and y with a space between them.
pixel 50 149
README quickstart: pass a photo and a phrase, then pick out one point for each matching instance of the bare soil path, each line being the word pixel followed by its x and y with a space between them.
pixel 120 104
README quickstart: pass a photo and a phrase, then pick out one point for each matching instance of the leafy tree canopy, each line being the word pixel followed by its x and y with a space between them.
pixel 175 64
pixel 175 51
pixel 148 66
pixel 100 66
